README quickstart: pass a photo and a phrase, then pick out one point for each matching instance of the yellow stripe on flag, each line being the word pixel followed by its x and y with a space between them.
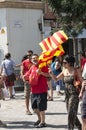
pixel 60 48
pixel 48 44
pixel 62 32
pixel 57 38
pixel 53 44
pixel 42 46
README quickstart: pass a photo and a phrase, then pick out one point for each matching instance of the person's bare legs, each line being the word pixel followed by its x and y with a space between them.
pixel 41 102
pixel 27 98
pixel 51 89
pixel 27 106
pixel 13 91
pixel 10 91
pixel 58 90
pixel 38 114
pixel 42 115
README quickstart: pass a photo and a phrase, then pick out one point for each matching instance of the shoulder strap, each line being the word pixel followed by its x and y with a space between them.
pixel 5 68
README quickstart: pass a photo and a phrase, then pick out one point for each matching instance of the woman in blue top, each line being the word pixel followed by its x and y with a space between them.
pixel 56 69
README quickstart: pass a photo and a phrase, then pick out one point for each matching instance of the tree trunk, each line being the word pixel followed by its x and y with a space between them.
pixel 74 46
pixel 75 50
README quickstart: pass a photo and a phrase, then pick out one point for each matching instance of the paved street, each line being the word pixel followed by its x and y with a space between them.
pixel 12 112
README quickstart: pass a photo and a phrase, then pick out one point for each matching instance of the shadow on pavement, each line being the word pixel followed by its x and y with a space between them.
pixel 26 125
pixel 58 100
pixel 19 125
pixel 57 126
pixel 56 113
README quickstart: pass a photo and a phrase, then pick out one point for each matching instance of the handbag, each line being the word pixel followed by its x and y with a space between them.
pixel 5 92
pixel 77 80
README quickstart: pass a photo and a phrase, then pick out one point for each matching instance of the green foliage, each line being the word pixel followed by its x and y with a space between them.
pixel 71 15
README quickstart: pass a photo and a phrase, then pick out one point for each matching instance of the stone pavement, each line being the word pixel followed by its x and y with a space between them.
pixel 12 112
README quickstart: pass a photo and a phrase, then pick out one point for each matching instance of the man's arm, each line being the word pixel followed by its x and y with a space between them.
pixel 21 72
pixel 54 77
pixel 43 72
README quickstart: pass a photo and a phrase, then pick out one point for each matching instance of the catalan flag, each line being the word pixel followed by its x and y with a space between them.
pixel 53 41
pixel 51 46
pixel 45 58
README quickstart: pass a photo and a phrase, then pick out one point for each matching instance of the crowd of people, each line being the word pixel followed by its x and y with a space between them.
pixel 38 81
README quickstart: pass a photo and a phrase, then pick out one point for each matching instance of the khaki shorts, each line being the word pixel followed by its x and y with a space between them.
pixel 26 89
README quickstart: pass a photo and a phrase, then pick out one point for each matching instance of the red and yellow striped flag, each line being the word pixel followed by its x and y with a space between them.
pixel 51 46
pixel 45 58
pixel 53 41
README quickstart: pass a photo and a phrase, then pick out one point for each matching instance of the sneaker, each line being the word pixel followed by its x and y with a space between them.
pixel 37 123
pixel 41 125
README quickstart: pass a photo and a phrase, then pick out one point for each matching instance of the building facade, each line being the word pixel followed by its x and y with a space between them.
pixel 24 24
pixel 19 27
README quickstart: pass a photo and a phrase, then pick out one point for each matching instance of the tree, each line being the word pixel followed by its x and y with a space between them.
pixel 71 16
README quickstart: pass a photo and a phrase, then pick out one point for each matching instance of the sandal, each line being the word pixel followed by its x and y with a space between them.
pixel 50 99
pixel 28 113
pixel 41 125
pixel 37 123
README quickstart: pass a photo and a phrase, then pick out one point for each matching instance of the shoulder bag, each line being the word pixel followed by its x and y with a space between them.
pixel 77 79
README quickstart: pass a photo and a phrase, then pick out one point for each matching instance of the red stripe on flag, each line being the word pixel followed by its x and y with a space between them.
pixel 55 41
pixel 45 45
pixel 49 40
pixel 61 36
pixel 48 58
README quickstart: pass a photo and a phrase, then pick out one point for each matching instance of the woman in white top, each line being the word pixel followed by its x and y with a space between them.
pixel 82 95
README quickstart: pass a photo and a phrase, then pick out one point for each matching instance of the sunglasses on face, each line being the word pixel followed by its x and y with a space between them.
pixel 64 62
pixel 29 55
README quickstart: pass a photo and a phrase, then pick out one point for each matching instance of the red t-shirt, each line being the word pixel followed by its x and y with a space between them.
pixel 26 65
pixel 41 85
pixel 83 61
